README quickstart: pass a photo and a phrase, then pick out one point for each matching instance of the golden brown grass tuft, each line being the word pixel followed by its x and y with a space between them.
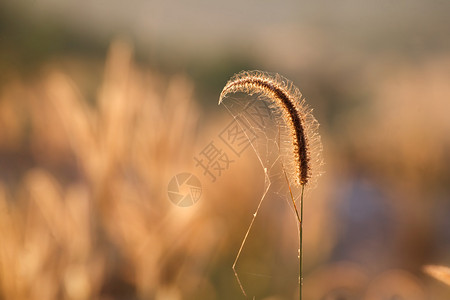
pixel 441 273
pixel 86 215
pixel 293 109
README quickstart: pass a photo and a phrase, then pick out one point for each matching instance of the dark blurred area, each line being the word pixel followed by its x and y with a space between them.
pixel 102 103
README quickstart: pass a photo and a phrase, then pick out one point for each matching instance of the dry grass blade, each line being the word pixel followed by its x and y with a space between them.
pixel 60 230
pixel 441 273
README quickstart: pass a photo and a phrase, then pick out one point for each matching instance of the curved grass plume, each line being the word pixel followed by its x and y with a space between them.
pixel 305 146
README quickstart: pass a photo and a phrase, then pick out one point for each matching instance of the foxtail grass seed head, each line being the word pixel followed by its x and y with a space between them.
pixel 297 116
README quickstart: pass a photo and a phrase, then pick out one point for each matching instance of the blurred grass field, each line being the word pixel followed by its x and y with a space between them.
pixel 95 123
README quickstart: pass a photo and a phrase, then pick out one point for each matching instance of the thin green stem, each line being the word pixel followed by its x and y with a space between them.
pixel 300 248
pixel 300 230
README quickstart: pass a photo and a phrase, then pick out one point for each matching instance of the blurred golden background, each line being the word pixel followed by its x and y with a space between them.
pixel 102 103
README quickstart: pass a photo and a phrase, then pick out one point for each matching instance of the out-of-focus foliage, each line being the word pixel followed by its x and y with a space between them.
pixel 90 140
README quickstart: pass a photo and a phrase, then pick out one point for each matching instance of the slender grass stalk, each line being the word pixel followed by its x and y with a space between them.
pixel 300 233
pixel 300 247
